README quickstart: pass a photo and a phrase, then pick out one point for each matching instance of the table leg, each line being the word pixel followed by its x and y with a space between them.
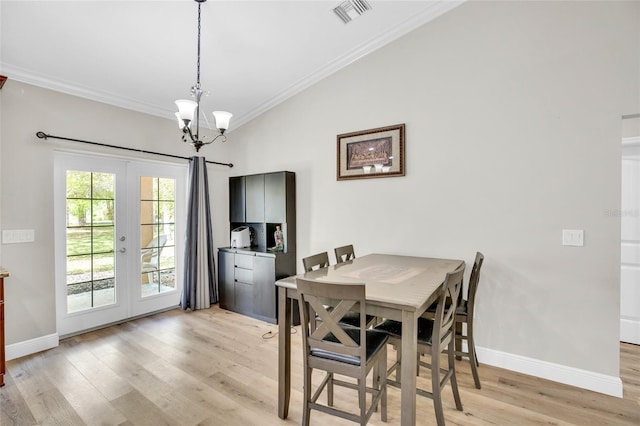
pixel 409 369
pixel 284 353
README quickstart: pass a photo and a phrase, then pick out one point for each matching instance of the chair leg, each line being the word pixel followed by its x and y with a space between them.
pixel 459 338
pixel 330 390
pixel 362 400
pixel 398 358
pixel 473 357
pixel 454 380
pixel 306 410
pixel 436 389
pixel 382 385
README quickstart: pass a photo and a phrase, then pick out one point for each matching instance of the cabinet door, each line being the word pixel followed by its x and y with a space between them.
pixel 226 278
pixel 275 197
pixel 254 198
pixel 236 199
pixel 264 288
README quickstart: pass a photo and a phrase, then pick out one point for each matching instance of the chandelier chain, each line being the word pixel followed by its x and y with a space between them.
pixel 198 66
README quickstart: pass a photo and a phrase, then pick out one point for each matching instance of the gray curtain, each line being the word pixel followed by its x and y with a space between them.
pixel 199 290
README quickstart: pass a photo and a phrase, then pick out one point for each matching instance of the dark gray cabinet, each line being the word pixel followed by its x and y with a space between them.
pixel 275 197
pixel 246 283
pixel 236 199
pixel 254 198
pixel 247 276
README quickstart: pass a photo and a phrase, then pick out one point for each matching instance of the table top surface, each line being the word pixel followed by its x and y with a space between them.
pixel 403 281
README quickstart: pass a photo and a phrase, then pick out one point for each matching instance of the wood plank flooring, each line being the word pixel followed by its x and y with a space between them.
pixel 214 367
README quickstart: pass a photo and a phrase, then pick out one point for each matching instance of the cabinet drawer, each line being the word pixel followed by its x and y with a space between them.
pixel 244 261
pixel 244 275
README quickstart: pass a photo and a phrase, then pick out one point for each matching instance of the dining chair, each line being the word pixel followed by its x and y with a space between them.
pixel 321 260
pixel 344 253
pixel 435 336
pixel 464 315
pixel 339 350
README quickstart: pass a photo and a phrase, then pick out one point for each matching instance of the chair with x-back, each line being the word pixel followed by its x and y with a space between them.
pixel 340 351
pixel 435 336
pixel 320 260
pixel 344 253
pixel 464 315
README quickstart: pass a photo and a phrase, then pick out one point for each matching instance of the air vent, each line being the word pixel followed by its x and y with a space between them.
pixel 351 9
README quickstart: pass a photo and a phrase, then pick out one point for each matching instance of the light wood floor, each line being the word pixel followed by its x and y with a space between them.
pixel 214 367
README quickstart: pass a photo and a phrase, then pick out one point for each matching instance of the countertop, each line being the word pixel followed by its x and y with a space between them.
pixel 256 251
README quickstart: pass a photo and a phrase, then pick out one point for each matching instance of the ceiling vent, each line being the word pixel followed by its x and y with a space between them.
pixel 351 9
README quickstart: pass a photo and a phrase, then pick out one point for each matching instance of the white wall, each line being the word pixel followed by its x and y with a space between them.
pixel 513 126
pixel 513 133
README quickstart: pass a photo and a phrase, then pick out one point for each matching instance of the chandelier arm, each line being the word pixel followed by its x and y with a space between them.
pixel 187 130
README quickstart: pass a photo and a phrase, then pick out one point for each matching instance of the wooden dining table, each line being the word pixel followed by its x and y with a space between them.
pixel 397 287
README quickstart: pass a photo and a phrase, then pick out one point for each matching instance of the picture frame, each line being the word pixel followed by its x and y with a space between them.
pixel 372 153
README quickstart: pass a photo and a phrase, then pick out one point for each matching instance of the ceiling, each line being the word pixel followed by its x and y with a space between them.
pixel 141 55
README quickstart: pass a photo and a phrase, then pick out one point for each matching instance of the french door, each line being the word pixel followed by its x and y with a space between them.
pixel 118 228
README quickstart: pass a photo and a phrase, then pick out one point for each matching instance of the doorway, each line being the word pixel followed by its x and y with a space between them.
pixel 630 242
pixel 116 227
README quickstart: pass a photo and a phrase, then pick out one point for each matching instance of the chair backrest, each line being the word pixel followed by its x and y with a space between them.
pixel 344 253
pixel 320 260
pixel 151 253
pixel 473 283
pixel 444 320
pixel 329 336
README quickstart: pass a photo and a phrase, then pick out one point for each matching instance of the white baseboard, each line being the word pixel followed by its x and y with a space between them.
pixel 608 385
pixel 32 346
pixel 630 331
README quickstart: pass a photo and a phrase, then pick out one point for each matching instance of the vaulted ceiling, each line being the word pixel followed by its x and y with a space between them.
pixel 141 55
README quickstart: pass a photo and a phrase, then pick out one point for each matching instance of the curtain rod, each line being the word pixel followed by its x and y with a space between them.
pixel 44 136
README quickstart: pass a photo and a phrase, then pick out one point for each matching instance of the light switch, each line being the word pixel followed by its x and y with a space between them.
pixel 12 236
pixel 573 237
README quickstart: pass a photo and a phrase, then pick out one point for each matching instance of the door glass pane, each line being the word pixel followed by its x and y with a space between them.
pixel 90 265
pixel 157 235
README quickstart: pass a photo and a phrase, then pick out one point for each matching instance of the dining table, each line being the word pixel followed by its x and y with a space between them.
pixel 397 287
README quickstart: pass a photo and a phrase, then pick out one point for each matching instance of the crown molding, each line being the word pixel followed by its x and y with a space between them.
pixel 35 79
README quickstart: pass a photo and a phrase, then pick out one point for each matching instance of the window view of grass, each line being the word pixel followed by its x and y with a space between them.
pixel 90 237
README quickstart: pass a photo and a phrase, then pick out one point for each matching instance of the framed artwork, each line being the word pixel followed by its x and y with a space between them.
pixel 371 153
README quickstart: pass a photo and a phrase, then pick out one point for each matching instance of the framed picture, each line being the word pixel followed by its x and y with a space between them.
pixel 371 153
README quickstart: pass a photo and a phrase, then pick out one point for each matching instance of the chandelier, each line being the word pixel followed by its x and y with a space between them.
pixel 189 110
